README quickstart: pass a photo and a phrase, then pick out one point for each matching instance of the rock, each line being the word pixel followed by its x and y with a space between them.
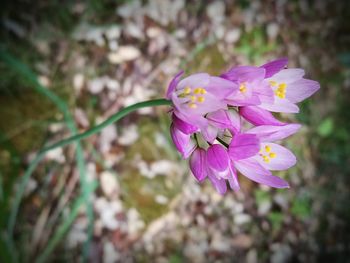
pixel 129 135
pixel 110 253
pixel 242 241
pixel 233 36
pixel 124 54
pixel 107 137
pixel 109 183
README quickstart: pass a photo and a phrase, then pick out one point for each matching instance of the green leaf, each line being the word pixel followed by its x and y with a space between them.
pixel 325 128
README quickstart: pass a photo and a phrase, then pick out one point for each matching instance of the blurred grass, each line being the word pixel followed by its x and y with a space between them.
pixel 62 106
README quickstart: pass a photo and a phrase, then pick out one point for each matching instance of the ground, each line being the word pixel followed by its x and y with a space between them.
pixel 99 56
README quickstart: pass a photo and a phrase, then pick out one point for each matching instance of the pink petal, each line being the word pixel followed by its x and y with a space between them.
pixel 280 105
pixel 243 100
pixel 283 159
pixel 264 92
pixel 194 81
pixel 288 75
pixel 217 157
pixel 209 133
pixel 269 133
pixel 301 89
pixel 243 146
pixel 274 66
pixel 173 84
pixel 232 178
pixel 245 74
pixel 221 88
pixel 183 142
pixel 183 126
pixel 224 119
pixel 219 184
pixel 259 116
pixel 255 172
pixel 198 164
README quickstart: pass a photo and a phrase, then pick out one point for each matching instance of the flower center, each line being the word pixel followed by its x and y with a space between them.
pixel 195 96
pixel 267 154
pixel 280 90
pixel 242 88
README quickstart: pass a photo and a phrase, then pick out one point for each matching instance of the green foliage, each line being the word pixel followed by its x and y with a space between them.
pixel 325 128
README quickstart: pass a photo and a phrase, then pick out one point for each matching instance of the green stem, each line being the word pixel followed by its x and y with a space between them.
pixel 114 118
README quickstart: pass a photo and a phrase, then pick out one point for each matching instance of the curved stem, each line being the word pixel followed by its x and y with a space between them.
pixel 122 113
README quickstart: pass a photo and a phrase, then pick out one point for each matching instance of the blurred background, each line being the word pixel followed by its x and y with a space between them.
pixel 124 195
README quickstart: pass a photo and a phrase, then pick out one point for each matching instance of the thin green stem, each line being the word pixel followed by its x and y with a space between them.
pixel 114 118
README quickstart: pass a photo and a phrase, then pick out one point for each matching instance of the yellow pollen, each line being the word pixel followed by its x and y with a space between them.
pixel 203 91
pixel 282 86
pixel 267 148
pixel 192 105
pixel 273 83
pixel 187 90
pixel 272 155
pixel 193 98
pixel 242 88
pixel 266 159
pixel 197 90
pixel 200 99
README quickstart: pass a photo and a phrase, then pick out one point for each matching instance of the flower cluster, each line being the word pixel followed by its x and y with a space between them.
pixel 208 114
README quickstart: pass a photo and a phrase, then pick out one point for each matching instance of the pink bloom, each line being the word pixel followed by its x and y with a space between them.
pixel 288 85
pixel 215 165
pixel 183 142
pixel 255 164
pixel 253 90
pixel 197 95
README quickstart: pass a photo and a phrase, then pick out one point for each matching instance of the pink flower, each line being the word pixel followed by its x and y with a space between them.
pixel 197 95
pixel 253 90
pixel 288 85
pixel 207 110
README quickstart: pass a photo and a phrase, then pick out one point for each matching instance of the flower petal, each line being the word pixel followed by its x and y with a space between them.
pixel 258 116
pixel 278 157
pixel 173 84
pixel 232 178
pixel 209 133
pixel 198 164
pixel 194 81
pixel 255 172
pixel 274 66
pixel 269 133
pixel 225 119
pixel 218 183
pixel 217 158
pixel 280 105
pixel 301 89
pixel 244 74
pixel 221 88
pixel 183 126
pixel 182 142
pixel 288 75
pixel 243 146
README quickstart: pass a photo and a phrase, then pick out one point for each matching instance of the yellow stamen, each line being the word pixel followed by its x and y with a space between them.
pixel 273 83
pixel 267 148
pixel 266 159
pixel 203 91
pixel 201 99
pixel 187 90
pixel 193 98
pixel 272 155
pixel 242 88
pixel 282 86
pixel 192 105
pixel 197 90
